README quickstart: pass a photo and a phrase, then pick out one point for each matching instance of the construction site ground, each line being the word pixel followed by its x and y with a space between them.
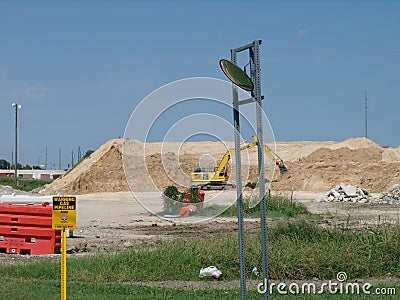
pixel 116 221
pixel 110 218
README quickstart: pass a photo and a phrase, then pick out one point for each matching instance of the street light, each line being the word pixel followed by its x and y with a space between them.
pixel 17 106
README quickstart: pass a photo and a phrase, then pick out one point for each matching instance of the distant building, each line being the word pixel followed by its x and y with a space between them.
pixel 33 174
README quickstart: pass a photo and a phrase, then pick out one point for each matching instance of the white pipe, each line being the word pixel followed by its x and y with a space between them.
pixel 25 199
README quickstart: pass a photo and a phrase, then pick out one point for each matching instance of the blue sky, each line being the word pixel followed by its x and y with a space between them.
pixel 79 68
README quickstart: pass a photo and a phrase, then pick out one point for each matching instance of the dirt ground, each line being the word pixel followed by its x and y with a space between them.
pixel 117 221
pixel 112 218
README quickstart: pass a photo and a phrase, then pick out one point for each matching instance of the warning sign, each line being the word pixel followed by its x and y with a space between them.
pixel 64 212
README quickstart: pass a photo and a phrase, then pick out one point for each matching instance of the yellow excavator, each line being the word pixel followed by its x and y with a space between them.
pixel 218 178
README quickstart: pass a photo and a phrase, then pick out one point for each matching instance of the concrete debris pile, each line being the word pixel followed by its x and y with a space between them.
pixel 8 190
pixel 393 197
pixel 355 194
pixel 346 193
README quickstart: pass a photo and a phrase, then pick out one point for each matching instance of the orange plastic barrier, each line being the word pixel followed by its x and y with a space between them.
pixel 27 229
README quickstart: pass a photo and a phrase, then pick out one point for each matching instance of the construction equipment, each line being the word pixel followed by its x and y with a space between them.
pixel 278 161
pixel 217 179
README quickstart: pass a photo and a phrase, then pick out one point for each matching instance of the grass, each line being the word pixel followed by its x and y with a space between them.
pixel 277 207
pixel 26 185
pixel 297 250
pixel 50 289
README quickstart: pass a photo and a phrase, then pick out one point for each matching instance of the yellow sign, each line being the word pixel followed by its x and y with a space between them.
pixel 64 212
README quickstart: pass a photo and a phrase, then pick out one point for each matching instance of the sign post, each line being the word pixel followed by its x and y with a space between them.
pixel 64 217
pixel 252 84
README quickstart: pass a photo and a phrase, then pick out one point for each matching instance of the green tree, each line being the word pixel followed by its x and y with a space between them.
pixel 88 153
pixel 4 164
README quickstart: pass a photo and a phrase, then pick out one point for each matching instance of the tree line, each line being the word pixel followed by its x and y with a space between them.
pixel 5 165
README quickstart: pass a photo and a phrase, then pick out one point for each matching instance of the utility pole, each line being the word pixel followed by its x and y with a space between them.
pixel 366 114
pixel 17 106
pixel 59 160
pixel 79 153
pixel 45 160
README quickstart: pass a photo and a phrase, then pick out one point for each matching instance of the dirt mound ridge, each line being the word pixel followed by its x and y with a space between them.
pixel 344 154
pixel 313 166
pixel 325 168
pixel 293 151
pixel 101 172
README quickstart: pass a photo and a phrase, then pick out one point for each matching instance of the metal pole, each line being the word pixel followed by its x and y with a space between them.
pixel 16 145
pixel 63 264
pixel 256 78
pixel 45 160
pixel 59 160
pixel 239 194
pixel 366 115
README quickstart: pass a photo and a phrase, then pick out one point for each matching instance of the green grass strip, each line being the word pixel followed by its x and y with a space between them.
pixel 296 251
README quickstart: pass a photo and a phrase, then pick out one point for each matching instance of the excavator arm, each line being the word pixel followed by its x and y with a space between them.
pixel 220 170
pixel 274 157
pixel 218 179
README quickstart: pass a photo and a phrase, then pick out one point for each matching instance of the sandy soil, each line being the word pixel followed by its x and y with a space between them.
pixel 111 217
pixel 118 221
pixel 150 167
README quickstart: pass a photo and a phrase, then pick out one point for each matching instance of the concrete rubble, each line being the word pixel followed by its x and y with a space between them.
pixel 393 197
pixel 8 190
pixel 355 194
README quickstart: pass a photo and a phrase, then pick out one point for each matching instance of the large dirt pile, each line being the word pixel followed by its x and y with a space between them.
pixel 313 166
pixel 325 168
pixel 101 172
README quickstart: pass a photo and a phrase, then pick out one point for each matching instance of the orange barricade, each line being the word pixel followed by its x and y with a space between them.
pixel 27 229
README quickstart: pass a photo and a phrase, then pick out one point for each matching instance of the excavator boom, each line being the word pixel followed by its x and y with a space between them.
pixel 218 179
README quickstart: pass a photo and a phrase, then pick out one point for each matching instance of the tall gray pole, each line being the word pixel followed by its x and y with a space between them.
pixel 45 160
pixel 366 115
pixel 256 78
pixel 17 106
pixel 59 160
pixel 16 145
pixel 239 194
pixel 256 97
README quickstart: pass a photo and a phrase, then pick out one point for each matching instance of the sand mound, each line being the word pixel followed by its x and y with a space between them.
pixel 101 172
pixel 293 151
pixel 313 166
pixel 358 143
pixel 325 168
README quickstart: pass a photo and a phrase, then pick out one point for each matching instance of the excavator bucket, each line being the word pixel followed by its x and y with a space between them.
pixel 283 171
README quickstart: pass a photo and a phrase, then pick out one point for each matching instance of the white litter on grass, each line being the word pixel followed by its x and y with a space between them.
pixel 210 272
